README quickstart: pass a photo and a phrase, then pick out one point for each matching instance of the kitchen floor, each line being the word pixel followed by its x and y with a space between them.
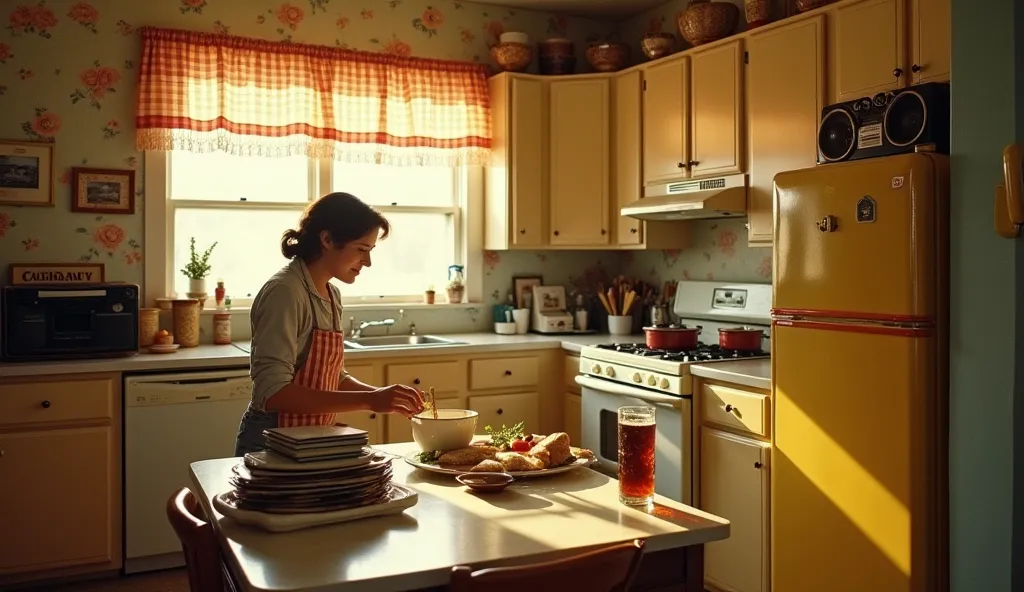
pixel 172 580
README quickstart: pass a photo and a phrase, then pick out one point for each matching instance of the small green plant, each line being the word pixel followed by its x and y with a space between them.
pixel 198 266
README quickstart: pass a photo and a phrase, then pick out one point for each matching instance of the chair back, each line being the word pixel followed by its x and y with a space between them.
pixel 198 541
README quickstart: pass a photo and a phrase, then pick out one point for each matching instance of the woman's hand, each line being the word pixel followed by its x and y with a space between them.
pixel 396 398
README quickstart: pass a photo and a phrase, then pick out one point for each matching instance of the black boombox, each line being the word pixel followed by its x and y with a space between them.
pixel 895 122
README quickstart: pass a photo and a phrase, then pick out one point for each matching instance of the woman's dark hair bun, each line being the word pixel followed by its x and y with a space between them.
pixel 344 216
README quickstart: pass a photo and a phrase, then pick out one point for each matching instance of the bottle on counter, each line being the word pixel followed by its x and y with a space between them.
pixel 219 294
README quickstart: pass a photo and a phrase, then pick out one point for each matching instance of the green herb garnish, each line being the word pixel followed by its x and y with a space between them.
pixel 504 437
pixel 429 457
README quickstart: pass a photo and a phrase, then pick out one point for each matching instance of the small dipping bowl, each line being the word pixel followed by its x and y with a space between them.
pixel 485 482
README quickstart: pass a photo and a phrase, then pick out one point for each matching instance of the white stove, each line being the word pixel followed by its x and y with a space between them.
pixel 614 375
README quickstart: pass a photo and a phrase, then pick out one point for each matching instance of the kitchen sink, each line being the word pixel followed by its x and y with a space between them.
pixel 397 341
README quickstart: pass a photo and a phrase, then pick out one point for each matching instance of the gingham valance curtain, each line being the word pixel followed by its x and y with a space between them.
pixel 204 92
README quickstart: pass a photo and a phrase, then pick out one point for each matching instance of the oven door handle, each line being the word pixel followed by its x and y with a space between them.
pixel 628 391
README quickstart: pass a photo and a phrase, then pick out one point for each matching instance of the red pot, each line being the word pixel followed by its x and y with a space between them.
pixel 740 338
pixel 672 337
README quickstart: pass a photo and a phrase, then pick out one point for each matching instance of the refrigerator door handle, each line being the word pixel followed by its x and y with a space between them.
pixel 1009 203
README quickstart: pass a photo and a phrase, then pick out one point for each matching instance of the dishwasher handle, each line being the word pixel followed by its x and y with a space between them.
pixel 185 390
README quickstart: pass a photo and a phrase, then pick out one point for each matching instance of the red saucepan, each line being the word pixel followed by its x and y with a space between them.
pixel 740 338
pixel 672 337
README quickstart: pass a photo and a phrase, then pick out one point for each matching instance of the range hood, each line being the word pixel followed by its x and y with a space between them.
pixel 692 199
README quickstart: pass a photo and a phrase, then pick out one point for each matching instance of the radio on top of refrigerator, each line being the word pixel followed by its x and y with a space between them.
pixel 60 322
pixel 895 122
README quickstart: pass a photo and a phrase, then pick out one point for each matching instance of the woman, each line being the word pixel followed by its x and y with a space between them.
pixel 297 357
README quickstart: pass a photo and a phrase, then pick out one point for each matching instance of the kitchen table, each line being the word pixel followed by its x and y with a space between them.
pixel 533 520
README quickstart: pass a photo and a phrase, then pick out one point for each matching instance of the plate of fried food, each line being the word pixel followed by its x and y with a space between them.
pixel 507 450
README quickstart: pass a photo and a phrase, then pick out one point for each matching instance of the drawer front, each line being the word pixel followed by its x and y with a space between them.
pixel 373 423
pixel 57 401
pixel 507 410
pixel 733 408
pixel 400 428
pixel 443 376
pixel 503 373
pixel 571 370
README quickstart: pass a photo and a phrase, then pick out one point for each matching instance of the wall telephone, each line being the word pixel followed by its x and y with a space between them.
pixel 1009 201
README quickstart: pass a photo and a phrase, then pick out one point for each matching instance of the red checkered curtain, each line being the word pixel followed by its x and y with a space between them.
pixel 204 92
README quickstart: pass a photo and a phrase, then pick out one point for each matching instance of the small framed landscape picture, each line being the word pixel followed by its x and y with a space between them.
pixel 103 191
pixel 26 173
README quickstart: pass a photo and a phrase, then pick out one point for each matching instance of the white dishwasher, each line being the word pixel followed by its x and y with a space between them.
pixel 171 421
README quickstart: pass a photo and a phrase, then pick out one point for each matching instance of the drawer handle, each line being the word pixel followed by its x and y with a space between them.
pixel 508 373
pixel 1 452
pixel 757 464
pixel 415 380
pixel 46 404
pixel 729 408
pixel 500 411
pixel 373 416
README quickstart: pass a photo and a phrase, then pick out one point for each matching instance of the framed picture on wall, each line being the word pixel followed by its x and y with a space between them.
pixel 26 173
pixel 522 287
pixel 103 191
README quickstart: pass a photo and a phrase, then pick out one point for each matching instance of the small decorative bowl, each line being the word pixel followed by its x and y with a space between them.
pixel 608 57
pixel 657 45
pixel 514 37
pixel 512 57
pixel 485 482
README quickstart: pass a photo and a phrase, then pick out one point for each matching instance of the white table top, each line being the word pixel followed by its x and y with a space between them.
pixel 533 520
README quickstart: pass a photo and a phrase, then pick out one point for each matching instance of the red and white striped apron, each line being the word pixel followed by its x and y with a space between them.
pixel 321 370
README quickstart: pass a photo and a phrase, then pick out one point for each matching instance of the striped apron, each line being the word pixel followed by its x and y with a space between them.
pixel 321 371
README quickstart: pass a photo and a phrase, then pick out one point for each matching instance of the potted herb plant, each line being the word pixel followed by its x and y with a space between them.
pixel 196 270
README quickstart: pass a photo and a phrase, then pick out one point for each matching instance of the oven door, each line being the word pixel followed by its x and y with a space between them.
pixel 673 451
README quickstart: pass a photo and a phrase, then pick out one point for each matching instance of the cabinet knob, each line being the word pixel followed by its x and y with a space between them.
pixel 632 230
pixel 915 68
pixel 556 233
pixel 1 452
pixel 729 408
pixel 897 72
pixel 500 411
pixel 46 404
pixel 694 163
pixel 757 464
pixel 522 231
pixel 415 380
pixel 373 416
pixel 682 165
pixel 508 373
pixel 603 231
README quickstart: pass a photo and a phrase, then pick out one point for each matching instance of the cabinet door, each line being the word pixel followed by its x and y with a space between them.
pixel 785 95
pixel 573 417
pixel 507 410
pixel 734 485
pixel 579 169
pixel 627 162
pixel 373 423
pixel 666 126
pixel 869 50
pixel 527 157
pixel 399 428
pixel 716 102
pixel 931 40
pixel 56 498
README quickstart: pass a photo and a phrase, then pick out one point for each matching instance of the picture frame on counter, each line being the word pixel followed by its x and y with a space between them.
pixel 63 274
pixel 522 287
pixel 26 173
pixel 103 191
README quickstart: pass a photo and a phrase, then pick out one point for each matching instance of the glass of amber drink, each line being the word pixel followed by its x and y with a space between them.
pixel 637 428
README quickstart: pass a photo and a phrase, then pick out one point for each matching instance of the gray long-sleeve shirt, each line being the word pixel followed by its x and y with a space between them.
pixel 282 320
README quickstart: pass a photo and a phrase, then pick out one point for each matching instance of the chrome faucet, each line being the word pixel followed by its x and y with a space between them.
pixel 357 332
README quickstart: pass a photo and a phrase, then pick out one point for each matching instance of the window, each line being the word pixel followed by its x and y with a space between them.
pixel 246 203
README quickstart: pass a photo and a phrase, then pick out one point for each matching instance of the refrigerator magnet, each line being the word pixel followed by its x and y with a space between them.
pixel 865 210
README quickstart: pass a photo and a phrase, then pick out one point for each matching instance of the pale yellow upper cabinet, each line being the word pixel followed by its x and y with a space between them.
pixel 716 110
pixel 626 144
pixel 515 182
pixel 666 149
pixel 785 95
pixel 579 163
pixel 868 51
pixel 930 41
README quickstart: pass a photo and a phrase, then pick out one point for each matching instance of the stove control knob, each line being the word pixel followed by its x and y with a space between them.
pixel 596 368
pixel 652 381
pixel 610 372
pixel 637 378
pixel 664 383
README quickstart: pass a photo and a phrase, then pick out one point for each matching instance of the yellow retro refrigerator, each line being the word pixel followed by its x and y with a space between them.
pixel 859 377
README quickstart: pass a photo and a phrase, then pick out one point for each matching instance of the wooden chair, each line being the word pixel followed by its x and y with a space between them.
pixel 604 570
pixel 206 570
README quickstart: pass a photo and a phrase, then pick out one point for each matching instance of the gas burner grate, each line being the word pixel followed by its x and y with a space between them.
pixel 703 353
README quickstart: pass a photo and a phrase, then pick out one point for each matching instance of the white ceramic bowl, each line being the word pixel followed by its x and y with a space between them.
pixel 505 328
pixel 453 428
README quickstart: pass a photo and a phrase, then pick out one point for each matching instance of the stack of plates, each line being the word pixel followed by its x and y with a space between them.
pixel 309 443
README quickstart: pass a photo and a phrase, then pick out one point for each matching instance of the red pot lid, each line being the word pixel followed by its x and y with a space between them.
pixel 671 328
pixel 739 330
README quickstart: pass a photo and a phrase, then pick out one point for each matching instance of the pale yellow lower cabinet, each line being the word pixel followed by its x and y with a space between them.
pixel 573 417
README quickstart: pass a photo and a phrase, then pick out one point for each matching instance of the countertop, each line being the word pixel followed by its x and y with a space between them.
pixel 752 373
pixel 206 357
pixel 545 518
